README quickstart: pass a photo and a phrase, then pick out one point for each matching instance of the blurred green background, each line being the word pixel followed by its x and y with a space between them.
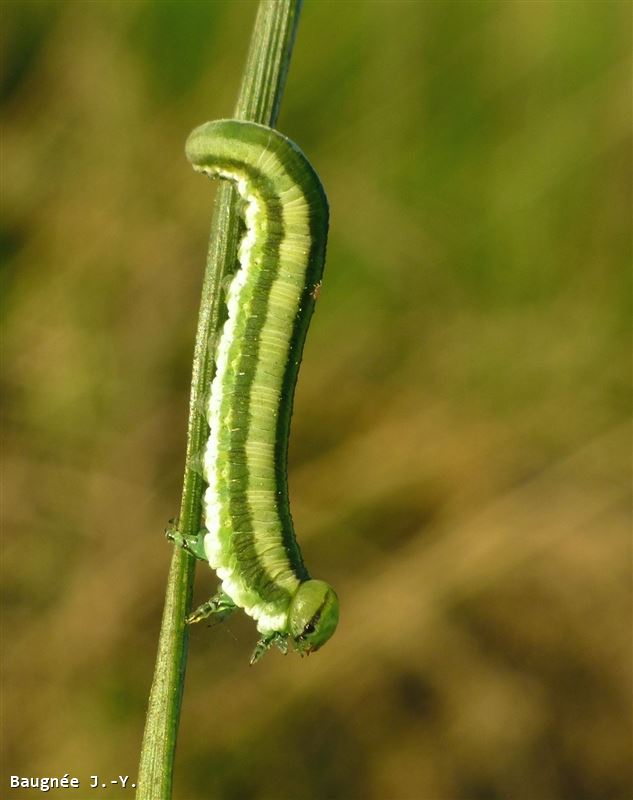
pixel 460 458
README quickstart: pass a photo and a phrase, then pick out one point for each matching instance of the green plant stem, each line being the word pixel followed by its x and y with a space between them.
pixel 259 98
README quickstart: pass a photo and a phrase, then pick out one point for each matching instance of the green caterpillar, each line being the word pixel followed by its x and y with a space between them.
pixel 249 539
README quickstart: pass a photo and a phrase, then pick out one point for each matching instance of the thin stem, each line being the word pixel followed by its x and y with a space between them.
pixel 259 98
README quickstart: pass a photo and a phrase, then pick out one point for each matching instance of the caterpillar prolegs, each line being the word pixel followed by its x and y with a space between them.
pixel 249 539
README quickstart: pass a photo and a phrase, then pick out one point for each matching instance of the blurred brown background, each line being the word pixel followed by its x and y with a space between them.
pixel 460 458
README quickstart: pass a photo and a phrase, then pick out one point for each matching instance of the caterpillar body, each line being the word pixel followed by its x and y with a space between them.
pixel 249 539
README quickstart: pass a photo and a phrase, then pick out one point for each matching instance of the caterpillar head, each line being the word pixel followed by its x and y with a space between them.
pixel 313 615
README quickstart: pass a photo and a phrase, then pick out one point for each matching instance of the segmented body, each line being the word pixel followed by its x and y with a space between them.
pixel 250 540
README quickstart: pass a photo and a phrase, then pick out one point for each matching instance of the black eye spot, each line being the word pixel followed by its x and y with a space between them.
pixel 309 628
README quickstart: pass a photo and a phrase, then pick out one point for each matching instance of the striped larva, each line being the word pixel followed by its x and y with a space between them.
pixel 249 539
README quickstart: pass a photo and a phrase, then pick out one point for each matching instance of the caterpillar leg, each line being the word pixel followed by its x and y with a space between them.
pixel 202 402
pixel 195 462
pixel 266 642
pixel 192 544
pixel 220 606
